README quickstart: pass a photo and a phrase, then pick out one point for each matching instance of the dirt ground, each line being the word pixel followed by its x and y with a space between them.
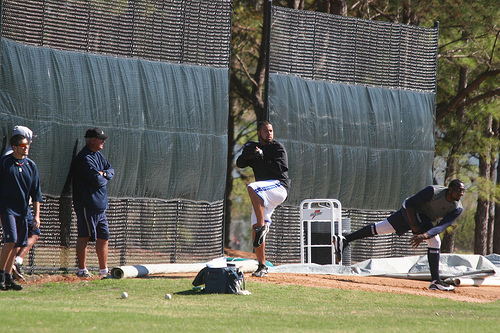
pixel 472 294
pixel 374 283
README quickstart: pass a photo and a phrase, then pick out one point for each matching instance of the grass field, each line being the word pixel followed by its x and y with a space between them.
pixel 97 306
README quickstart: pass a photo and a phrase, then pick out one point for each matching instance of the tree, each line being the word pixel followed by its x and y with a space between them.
pixel 246 83
pixel 468 86
pixel 468 81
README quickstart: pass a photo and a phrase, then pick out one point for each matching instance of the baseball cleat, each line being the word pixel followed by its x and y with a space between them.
pixel 261 271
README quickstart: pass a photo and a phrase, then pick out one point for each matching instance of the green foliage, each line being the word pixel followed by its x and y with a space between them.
pixel 468 32
pixel 242 206
pixel 465 224
pixel 241 200
pixel 464 233
pixel 97 306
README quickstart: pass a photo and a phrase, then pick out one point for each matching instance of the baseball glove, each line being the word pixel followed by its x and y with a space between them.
pixel 251 151
pixel 417 239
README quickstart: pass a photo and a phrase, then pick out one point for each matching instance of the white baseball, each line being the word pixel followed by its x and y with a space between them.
pixel 124 294
pixel 168 296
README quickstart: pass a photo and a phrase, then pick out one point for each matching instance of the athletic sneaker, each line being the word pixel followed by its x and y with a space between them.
pixel 338 242
pixel 261 271
pixel 260 235
pixel 84 274
pixel 441 285
pixel 17 272
pixel 10 285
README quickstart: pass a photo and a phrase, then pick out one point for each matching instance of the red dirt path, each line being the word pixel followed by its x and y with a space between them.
pixel 472 294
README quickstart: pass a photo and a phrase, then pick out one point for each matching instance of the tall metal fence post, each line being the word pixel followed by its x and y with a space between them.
pixel 269 5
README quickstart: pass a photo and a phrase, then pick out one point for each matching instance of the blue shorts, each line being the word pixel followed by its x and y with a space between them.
pixel 92 223
pixel 15 229
pixel 401 226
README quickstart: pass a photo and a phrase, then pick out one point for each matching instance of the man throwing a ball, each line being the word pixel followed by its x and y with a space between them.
pixel 269 162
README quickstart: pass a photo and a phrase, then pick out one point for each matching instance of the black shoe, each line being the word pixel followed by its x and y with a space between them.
pixel 338 242
pixel 17 272
pixel 10 285
pixel 260 235
pixel 261 271
pixel 441 285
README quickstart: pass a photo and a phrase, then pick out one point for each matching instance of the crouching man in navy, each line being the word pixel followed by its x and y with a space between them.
pixel 433 204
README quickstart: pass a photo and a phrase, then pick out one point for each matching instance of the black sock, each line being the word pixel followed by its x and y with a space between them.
pixel 433 258
pixel 8 277
pixel 2 276
pixel 366 231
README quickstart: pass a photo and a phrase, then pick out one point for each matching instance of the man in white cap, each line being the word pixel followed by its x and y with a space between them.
pixel 19 184
pixel 21 130
pixel 33 230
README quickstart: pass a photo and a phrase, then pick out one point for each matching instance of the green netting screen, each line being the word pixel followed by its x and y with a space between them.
pixel 154 76
pixel 357 97
pixel 353 101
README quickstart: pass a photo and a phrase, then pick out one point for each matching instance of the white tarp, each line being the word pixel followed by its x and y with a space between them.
pixel 413 267
pixel 458 269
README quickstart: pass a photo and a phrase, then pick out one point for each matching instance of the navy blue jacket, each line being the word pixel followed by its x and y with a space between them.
pixel 19 181
pixel 89 187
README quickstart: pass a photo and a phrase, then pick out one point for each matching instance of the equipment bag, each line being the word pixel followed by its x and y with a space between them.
pixel 224 280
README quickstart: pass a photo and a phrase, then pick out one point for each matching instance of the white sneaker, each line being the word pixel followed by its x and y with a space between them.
pixel 84 274
pixel 17 272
